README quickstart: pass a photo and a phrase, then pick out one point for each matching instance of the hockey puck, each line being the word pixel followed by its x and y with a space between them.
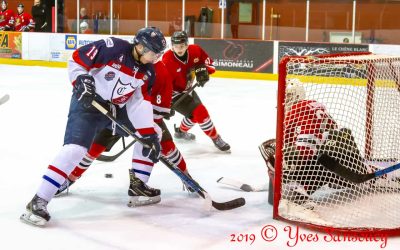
pixel 108 175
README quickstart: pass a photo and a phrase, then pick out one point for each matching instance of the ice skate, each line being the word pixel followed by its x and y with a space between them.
pixel 140 194
pixel 179 134
pixel 221 144
pixel 36 212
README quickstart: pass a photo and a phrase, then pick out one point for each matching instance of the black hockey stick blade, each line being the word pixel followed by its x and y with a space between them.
pixel 333 165
pixel 228 205
pixel 109 158
pixel 192 183
pixel 238 202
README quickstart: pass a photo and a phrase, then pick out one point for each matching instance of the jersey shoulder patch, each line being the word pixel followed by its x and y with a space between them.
pixel 109 42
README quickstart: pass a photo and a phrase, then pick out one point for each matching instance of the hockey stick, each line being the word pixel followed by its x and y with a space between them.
pixel 186 179
pixel 109 158
pixel 4 98
pixel 184 95
pixel 333 165
pixel 242 186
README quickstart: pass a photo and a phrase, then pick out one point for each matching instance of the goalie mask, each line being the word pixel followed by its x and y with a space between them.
pixel 294 91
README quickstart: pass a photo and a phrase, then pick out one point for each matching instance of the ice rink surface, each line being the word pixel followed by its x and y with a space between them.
pixel 94 215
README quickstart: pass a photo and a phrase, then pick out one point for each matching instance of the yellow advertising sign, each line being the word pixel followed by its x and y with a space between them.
pixel 10 44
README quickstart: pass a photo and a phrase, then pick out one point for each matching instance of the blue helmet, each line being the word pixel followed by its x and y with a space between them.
pixel 151 38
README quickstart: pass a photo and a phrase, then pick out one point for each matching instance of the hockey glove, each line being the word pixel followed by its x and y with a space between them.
pixel 152 153
pixel 201 74
pixel 267 150
pixel 85 90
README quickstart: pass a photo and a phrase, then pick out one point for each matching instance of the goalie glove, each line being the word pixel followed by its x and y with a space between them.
pixel 267 150
pixel 201 73
pixel 84 89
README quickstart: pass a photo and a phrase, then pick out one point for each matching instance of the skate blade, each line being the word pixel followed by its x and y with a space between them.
pixel 32 219
pixel 137 201
pixel 61 194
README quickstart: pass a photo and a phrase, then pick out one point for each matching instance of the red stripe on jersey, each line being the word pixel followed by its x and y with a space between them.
pixel 77 59
pixel 146 131
pixel 210 69
pixel 143 162
pixel 122 99
pixel 145 92
pixel 98 65
pixel 158 121
pixel 58 171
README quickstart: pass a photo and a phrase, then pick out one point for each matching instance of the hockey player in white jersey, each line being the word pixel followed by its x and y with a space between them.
pixel 119 76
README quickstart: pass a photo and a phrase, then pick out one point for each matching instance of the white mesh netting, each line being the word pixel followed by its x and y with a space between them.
pixel 353 102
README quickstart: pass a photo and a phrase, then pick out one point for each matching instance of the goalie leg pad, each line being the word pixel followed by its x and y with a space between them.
pixel 341 145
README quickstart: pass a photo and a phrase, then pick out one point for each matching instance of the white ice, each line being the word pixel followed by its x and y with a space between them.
pixel 94 215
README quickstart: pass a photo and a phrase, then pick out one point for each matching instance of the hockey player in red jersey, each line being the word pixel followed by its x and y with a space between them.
pixel 185 62
pixel 142 167
pixel 6 17
pixel 23 20
pixel 307 121
pixel 118 75
pixel 308 131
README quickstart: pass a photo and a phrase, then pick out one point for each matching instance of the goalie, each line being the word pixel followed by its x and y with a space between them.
pixel 308 131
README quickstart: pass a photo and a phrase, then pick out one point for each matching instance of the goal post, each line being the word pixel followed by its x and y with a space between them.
pixel 350 111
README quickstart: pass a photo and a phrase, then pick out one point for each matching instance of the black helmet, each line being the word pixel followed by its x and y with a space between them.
pixel 151 38
pixel 179 37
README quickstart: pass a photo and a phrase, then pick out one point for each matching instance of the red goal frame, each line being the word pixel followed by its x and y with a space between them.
pixel 282 72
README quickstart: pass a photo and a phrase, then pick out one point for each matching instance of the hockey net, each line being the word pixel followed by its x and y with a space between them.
pixel 360 92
